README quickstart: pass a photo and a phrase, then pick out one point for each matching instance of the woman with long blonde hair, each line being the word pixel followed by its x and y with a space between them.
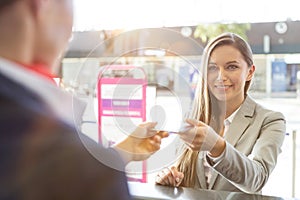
pixel 233 142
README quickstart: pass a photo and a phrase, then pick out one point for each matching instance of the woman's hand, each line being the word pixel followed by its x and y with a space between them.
pixel 169 177
pixel 201 137
pixel 142 143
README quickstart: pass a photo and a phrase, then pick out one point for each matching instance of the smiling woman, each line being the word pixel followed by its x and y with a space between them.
pixel 234 142
pixel 228 73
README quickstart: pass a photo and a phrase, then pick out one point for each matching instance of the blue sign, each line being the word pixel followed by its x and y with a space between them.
pixel 279 73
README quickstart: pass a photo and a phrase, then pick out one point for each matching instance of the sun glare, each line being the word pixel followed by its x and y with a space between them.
pixel 131 14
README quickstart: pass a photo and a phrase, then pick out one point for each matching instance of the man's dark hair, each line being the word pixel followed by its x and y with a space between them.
pixel 4 3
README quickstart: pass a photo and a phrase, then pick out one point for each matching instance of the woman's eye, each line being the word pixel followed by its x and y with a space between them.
pixel 212 68
pixel 232 67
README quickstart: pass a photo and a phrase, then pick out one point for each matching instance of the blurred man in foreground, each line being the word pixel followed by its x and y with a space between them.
pixel 43 155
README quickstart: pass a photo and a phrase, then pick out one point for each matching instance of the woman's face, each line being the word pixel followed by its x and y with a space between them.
pixel 227 74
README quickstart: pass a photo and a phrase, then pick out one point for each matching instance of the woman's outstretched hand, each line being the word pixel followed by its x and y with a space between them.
pixel 201 137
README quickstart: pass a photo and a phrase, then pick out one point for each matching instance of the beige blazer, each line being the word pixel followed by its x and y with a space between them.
pixel 253 143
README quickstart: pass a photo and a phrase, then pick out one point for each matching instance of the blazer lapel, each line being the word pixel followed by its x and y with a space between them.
pixel 240 122
pixel 236 129
pixel 213 178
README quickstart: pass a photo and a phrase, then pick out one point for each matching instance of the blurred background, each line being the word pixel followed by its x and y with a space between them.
pixel 166 39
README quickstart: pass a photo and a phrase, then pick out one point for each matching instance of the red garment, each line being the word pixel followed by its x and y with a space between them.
pixel 41 70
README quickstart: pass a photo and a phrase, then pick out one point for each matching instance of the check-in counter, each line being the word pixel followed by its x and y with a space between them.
pixel 151 191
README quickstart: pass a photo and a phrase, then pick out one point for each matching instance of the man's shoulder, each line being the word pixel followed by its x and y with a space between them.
pixel 51 155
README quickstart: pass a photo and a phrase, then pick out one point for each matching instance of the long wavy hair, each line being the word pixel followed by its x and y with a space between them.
pixel 205 106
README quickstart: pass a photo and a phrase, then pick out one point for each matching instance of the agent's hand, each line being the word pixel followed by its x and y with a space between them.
pixel 142 143
pixel 201 137
pixel 169 177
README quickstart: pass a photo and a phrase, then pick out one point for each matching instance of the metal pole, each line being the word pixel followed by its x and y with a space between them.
pixel 294 164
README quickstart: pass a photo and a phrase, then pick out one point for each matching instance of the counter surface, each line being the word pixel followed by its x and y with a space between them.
pixel 151 191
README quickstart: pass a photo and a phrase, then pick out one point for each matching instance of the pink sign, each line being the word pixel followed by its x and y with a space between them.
pixel 121 93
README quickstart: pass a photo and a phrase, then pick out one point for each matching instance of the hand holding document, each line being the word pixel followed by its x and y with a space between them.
pixel 198 136
pixel 141 143
pixel 183 128
pixel 158 115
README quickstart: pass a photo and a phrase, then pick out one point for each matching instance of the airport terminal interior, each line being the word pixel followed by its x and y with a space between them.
pixel 165 56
